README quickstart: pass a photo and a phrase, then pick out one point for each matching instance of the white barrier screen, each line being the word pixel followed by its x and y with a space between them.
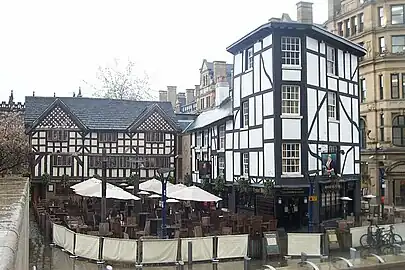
pixel 356 233
pixel 119 250
pixel 159 251
pixel 69 241
pixel 59 235
pixel 232 246
pixel 309 243
pixel 87 246
pixel 202 248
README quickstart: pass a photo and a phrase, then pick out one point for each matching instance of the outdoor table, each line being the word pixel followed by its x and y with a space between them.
pixel 155 225
pixel 142 219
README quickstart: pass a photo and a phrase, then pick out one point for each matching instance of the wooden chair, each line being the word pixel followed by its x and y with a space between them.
pixel 146 230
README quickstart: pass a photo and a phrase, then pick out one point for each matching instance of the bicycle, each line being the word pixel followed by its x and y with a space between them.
pixel 372 239
pixel 392 238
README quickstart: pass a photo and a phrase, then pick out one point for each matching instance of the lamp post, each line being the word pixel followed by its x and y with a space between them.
pixel 138 165
pixel 104 187
pixel 164 174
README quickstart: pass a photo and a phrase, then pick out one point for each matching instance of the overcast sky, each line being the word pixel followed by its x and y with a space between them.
pixel 52 46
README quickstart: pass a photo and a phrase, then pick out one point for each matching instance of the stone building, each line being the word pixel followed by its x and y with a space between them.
pixel 379 26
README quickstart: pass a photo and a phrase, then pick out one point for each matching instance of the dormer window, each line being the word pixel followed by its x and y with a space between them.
pixel 57 135
pixel 107 137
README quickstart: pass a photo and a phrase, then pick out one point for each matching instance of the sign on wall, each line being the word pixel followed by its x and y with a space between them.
pixel 204 169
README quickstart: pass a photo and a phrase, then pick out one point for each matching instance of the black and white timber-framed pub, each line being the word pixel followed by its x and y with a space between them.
pixel 295 122
pixel 68 135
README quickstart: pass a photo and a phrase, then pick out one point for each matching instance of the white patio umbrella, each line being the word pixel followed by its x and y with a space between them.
pixel 129 187
pixel 194 193
pixel 153 185
pixel 154 196
pixel 88 183
pixel 123 184
pixel 143 192
pixel 172 201
pixel 173 188
pixel 111 192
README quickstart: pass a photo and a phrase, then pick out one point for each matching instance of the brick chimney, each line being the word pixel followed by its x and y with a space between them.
pixel 162 95
pixel 190 96
pixel 304 12
pixel 172 95
pixel 219 68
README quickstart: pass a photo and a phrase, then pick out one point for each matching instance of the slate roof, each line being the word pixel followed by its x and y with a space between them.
pixel 212 116
pixel 96 113
pixel 184 120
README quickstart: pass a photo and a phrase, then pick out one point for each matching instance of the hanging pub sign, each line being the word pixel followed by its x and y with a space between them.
pixel 329 164
pixel 204 169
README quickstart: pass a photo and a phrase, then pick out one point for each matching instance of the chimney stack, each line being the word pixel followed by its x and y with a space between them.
pixel 190 96
pixel 219 68
pixel 172 95
pixel 181 99
pixel 304 12
pixel 334 7
pixel 162 95
pixel 221 90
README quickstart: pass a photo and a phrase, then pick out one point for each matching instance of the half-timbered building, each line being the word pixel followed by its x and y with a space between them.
pixel 69 134
pixel 296 120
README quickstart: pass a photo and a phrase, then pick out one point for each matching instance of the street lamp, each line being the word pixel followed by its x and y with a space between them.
pixel 164 174
pixel 137 176
pixel 104 187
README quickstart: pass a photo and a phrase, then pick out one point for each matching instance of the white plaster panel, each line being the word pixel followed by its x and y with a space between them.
pixel 340 63
pixel 252 109
pixel 256 73
pixel 312 67
pixel 356 153
pixel 253 164
pixel 237 66
pixel 261 163
pixel 351 89
pixel 347 65
pixel 257 46
pixel 229 125
pixel 323 117
pixel 312 161
pixel 312 44
pixel 236 163
pixel 247 84
pixel 268 104
pixel 332 83
pixel 291 129
pixel 228 141
pixel 355 118
pixel 259 110
pixel 355 90
pixel 243 139
pixel 348 166
pixel 237 118
pixel 267 70
pixel 334 132
pixel 322 48
pixel 343 87
pixel 322 67
pixel 269 160
pixel 229 166
pixel 236 92
pixel 235 140
pixel 267 41
pixel 345 128
pixel 312 108
pixel 291 75
pixel 255 138
pixel 268 125
pixel 354 66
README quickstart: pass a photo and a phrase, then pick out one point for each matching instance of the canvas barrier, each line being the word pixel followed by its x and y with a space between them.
pixel 159 250
pixel 120 250
pixel 87 246
pixel 232 246
pixel 69 241
pixel 309 243
pixel 202 248
pixel 358 232
pixel 59 232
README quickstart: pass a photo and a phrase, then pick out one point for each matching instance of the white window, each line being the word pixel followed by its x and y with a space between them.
pixel 290 100
pixel 291 158
pixel 290 51
pixel 221 165
pixel 331 61
pixel 205 138
pixel 249 59
pixel 332 105
pixel 199 139
pixel 222 137
pixel 245 168
pixel 245 114
pixel 205 156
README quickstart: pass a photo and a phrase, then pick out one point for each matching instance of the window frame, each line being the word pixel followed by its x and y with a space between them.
pixel 249 59
pixel 57 135
pixel 221 165
pixel 206 138
pixel 198 140
pixel 154 137
pixel 397 44
pixel 360 20
pixel 380 15
pixel 397 125
pixel 285 158
pixel 294 109
pixel 363 90
pixel 403 15
pixel 221 137
pixel 394 95
pixel 245 164
pixel 363 135
pixel 107 137
pixel 381 128
pixel 381 44
pixel 331 62
pixel 381 85
pixel 245 114
pixel 62 160
pixel 332 106
pixel 293 55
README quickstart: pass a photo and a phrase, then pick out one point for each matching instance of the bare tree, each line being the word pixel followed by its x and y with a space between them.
pixel 117 83
pixel 14 146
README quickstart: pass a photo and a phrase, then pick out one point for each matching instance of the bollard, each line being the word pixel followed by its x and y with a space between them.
pixel 190 253
pixel 109 267
pixel 34 268
pixel 138 266
pixel 353 254
pixel 180 265
pixel 246 263
pixel 397 249
pixel 215 264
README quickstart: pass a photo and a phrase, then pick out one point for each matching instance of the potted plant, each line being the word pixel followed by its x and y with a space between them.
pixel 206 185
pixel 243 184
pixel 219 184
pixel 65 180
pixel 172 179
pixel 268 187
pixel 188 181
pixel 45 178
